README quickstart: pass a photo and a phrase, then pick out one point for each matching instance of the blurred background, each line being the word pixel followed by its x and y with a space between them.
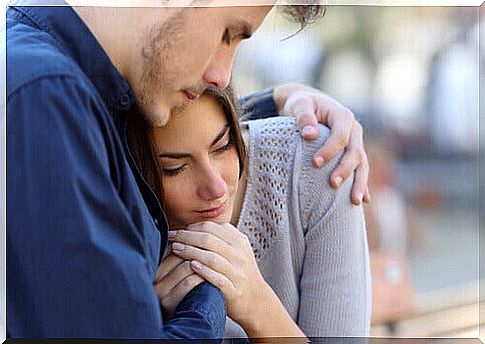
pixel 411 77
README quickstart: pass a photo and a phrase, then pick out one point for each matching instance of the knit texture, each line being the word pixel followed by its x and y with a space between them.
pixel 308 239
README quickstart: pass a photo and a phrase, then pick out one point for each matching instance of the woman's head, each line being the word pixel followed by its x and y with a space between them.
pixel 201 155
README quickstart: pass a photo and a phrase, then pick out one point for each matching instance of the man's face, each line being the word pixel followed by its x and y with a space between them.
pixel 193 49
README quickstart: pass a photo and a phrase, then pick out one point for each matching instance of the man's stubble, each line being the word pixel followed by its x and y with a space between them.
pixel 157 76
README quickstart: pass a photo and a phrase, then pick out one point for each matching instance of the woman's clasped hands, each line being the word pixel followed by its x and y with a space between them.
pixel 221 255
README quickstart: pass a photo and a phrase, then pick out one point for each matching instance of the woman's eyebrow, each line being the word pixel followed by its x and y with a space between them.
pixel 220 135
pixel 174 155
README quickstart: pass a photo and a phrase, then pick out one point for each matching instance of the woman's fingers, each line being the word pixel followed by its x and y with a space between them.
pixel 206 235
pixel 214 277
pixel 224 231
pixel 208 258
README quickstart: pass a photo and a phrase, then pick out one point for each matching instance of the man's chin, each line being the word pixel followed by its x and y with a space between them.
pixel 157 119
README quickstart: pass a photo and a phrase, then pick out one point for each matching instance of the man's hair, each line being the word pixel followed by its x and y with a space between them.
pixel 304 14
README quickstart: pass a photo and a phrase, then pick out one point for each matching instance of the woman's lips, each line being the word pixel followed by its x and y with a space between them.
pixel 213 212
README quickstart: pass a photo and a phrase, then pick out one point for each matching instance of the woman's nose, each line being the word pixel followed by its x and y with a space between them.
pixel 212 185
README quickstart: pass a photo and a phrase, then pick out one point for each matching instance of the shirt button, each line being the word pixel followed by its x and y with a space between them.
pixel 156 221
pixel 125 100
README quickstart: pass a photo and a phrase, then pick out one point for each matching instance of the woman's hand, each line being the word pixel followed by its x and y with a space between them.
pixel 175 279
pixel 223 256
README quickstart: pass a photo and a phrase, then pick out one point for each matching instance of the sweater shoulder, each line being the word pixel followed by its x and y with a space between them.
pixel 280 159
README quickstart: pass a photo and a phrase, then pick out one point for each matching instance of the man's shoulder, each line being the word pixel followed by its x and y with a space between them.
pixel 33 54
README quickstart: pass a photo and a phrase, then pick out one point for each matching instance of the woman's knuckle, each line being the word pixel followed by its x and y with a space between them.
pixel 212 259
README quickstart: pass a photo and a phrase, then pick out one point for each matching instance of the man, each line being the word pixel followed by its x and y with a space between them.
pixel 85 232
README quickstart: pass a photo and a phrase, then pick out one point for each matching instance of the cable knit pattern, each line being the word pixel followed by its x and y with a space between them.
pixel 308 239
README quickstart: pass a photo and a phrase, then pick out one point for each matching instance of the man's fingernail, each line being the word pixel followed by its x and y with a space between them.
pixel 172 234
pixel 319 161
pixel 338 181
pixel 196 265
pixel 308 130
pixel 176 246
pixel 359 199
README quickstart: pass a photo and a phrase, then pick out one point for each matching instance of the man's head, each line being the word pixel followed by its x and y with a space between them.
pixel 169 55
pixel 191 51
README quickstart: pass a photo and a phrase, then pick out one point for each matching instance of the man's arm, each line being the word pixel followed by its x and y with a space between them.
pixel 76 264
pixel 310 106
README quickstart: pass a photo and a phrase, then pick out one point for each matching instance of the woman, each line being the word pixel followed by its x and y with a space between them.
pixel 288 252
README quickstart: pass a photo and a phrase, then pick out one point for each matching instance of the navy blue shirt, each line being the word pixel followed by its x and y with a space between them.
pixel 85 231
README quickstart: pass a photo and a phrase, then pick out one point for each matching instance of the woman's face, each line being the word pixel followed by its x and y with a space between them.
pixel 199 164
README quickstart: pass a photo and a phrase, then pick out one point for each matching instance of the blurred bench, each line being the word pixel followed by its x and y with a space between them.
pixel 450 312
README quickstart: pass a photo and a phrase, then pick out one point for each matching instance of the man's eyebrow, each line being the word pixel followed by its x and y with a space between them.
pixel 220 135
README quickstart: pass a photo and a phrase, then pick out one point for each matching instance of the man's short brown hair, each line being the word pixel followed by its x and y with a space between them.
pixel 304 14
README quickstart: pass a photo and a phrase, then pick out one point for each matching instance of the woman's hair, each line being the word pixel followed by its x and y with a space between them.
pixel 140 143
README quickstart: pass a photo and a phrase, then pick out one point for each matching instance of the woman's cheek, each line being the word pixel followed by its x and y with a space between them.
pixel 231 168
pixel 176 199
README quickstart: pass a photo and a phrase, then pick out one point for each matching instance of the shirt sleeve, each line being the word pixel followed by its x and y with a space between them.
pixel 75 264
pixel 335 287
pixel 259 105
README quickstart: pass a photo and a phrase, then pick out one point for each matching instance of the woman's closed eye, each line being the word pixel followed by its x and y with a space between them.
pixel 228 145
pixel 173 171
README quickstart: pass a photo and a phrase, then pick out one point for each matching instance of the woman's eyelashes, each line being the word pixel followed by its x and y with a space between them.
pixel 174 171
pixel 229 144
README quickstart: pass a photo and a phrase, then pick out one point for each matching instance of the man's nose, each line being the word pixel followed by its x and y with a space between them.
pixel 213 186
pixel 218 73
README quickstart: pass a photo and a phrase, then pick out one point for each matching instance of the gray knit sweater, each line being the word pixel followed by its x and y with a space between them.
pixel 309 240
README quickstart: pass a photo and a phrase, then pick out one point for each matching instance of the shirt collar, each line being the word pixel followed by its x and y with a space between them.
pixel 74 37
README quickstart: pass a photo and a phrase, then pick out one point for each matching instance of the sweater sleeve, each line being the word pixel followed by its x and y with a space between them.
pixel 335 288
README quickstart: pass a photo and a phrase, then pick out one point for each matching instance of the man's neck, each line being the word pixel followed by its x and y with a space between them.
pixel 102 24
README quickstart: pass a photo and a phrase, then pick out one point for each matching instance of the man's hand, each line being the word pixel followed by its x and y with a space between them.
pixel 175 279
pixel 310 106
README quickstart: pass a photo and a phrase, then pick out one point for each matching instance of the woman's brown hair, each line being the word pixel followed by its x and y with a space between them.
pixel 139 138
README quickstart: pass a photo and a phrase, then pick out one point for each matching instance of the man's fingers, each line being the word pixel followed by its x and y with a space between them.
pixel 173 278
pixel 301 105
pixel 344 169
pixel 177 294
pixel 338 139
pixel 184 287
pixel 168 264
pixel 359 187
pixel 367 197
pixel 213 277
pixel 308 126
